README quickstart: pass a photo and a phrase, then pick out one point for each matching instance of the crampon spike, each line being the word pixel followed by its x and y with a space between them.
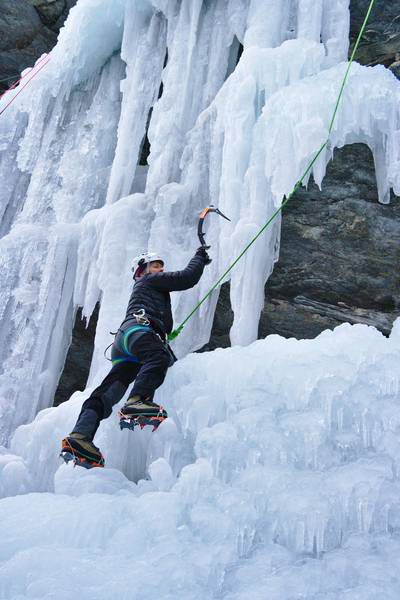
pixel 130 422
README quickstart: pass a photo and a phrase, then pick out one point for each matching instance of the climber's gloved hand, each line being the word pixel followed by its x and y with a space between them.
pixel 202 251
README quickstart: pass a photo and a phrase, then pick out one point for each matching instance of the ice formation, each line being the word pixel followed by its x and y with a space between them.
pixel 275 454
pixel 276 475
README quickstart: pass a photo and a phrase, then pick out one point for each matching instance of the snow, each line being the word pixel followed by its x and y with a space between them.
pixel 278 466
pixel 276 470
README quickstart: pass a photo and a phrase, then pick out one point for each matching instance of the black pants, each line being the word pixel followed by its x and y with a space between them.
pixel 152 359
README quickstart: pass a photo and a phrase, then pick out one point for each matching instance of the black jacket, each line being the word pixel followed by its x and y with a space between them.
pixel 151 292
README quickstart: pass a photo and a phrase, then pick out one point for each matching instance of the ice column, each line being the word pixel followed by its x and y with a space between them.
pixel 143 50
pixel 199 38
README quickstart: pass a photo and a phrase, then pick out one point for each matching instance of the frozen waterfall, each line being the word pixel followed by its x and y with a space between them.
pixel 277 451
pixel 236 136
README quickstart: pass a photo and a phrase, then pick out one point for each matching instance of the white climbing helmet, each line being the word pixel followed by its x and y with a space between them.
pixel 140 262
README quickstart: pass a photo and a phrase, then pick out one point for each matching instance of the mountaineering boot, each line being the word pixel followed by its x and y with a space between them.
pixel 141 412
pixel 81 450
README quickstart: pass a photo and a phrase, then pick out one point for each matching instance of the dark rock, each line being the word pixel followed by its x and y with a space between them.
pixel 20 24
pixel 340 244
pixel 381 41
pixel 29 28
pixel 223 320
pixel 79 357
pixel 395 68
pixel 49 10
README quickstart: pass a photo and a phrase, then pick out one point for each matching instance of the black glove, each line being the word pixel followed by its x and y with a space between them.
pixel 202 251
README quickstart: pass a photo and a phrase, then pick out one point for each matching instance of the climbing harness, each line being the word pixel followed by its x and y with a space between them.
pixel 203 214
pixel 42 62
pixel 123 345
pixel 143 324
pixel 178 330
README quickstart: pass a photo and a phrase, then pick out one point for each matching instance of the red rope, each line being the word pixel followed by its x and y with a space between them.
pixel 44 62
pixel 23 76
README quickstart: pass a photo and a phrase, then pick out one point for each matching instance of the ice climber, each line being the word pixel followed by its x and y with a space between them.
pixel 140 353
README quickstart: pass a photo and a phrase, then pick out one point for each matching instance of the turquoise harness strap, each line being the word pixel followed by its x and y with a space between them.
pixel 130 357
pixel 128 333
pixel 117 361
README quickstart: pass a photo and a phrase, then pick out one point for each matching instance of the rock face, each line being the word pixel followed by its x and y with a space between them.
pixel 381 41
pixel 340 252
pixel 77 363
pixel 28 29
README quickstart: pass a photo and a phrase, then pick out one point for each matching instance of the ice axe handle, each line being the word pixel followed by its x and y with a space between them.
pixel 203 214
pixel 200 231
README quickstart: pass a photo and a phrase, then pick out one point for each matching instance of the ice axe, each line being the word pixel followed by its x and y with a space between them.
pixel 201 234
pixel 203 215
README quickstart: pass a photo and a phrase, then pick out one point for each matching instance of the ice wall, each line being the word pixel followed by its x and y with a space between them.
pixel 236 136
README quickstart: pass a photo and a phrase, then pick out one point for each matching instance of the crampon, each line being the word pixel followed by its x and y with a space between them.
pixel 132 421
pixel 69 453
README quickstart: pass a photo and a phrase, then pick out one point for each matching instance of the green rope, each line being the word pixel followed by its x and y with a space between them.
pixel 178 330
